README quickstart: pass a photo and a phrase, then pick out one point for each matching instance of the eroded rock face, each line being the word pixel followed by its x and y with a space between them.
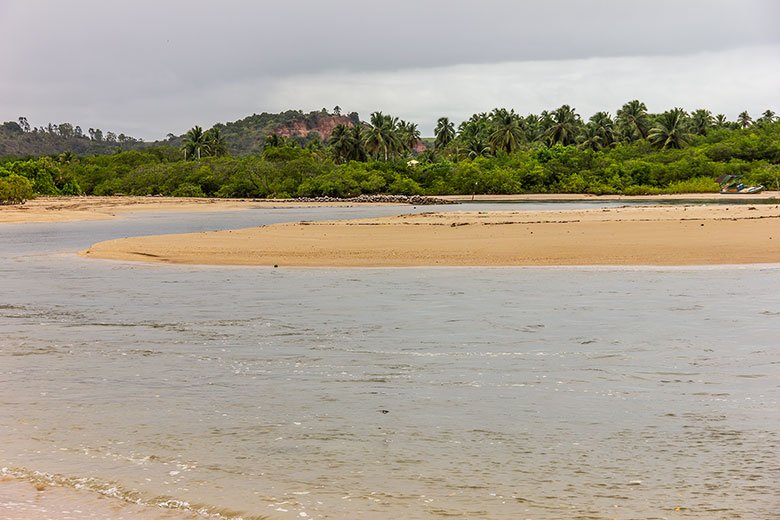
pixel 323 125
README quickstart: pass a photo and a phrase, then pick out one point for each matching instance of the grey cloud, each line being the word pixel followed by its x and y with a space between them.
pixel 94 58
pixel 724 81
pixel 195 40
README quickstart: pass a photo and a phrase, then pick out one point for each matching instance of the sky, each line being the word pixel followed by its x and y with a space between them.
pixel 149 67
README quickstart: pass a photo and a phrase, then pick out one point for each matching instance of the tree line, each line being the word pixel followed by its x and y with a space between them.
pixel 503 131
pixel 495 153
pixel 68 131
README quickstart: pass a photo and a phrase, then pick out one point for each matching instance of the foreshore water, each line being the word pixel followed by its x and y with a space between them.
pixel 385 393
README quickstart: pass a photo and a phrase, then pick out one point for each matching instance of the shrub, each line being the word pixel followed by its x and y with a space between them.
pixel 15 189
pixel 695 185
pixel 188 190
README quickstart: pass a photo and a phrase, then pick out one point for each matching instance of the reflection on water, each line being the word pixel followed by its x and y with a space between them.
pixel 388 393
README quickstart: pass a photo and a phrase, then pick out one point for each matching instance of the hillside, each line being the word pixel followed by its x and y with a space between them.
pixel 248 135
pixel 23 141
pixel 243 137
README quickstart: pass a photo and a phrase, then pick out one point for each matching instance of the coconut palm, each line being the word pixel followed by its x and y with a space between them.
pixel 701 121
pixel 474 147
pixel 341 142
pixel 670 130
pixel 357 150
pixel 721 121
pixel 409 134
pixel 590 137
pixel 382 139
pixel 633 120
pixel 534 129
pixel 215 142
pixel 744 120
pixel 507 133
pixel 565 126
pixel 194 143
pixel 445 133
pixel 477 126
pixel 767 117
pixel 605 128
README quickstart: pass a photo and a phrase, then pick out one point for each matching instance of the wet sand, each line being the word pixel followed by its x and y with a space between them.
pixel 65 209
pixel 653 235
pixel 764 195
pixel 23 500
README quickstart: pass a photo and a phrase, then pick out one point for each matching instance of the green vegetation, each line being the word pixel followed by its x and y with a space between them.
pixel 499 152
pixel 20 139
pixel 15 189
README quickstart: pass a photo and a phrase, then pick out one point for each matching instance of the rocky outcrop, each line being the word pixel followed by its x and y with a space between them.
pixel 322 125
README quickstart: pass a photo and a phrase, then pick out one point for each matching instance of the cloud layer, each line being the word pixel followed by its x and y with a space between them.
pixel 146 68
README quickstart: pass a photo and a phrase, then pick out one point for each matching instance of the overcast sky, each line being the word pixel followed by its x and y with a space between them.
pixel 149 67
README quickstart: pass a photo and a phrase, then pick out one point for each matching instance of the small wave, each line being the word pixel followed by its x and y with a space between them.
pixel 116 491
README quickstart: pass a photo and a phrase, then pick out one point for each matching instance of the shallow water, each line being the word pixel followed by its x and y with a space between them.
pixel 387 393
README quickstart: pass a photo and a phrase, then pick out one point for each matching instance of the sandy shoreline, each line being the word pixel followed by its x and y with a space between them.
pixel 764 195
pixel 653 235
pixel 23 500
pixel 66 209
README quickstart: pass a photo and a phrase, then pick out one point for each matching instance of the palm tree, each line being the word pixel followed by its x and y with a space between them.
pixel 633 120
pixel 445 133
pixel 767 117
pixel 604 127
pixel 590 137
pixel 382 139
pixel 410 135
pixel 565 126
pixel 701 121
pixel 507 131
pixel 474 147
pixel 744 120
pixel 215 142
pixel 66 157
pixel 670 130
pixel 341 142
pixel 534 129
pixel 720 121
pixel 194 143
pixel 478 125
pixel 357 151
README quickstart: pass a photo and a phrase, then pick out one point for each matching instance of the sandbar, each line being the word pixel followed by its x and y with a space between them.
pixel 67 209
pixel 648 235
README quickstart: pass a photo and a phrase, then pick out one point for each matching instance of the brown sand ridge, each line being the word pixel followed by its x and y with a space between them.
pixel 654 235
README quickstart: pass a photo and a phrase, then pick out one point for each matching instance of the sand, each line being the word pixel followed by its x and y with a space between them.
pixel 654 235
pixel 23 500
pixel 65 209
pixel 588 197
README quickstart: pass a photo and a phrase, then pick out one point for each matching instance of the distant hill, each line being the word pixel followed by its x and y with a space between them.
pixel 243 137
pixel 19 140
pixel 248 135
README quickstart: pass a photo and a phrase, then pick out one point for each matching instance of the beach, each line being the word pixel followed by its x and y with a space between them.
pixel 701 234
pixel 24 500
pixel 69 209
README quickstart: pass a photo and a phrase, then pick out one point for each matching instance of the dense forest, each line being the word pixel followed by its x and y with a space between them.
pixel 499 152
